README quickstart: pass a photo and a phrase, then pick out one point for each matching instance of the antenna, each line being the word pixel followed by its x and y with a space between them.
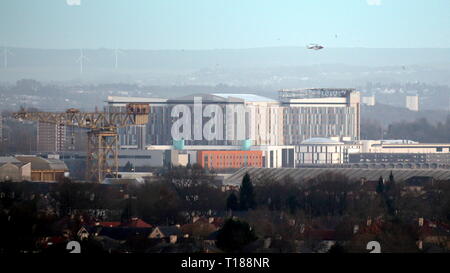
pixel 5 54
pixel 81 59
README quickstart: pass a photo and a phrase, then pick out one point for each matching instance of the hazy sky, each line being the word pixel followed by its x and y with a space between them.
pixel 210 24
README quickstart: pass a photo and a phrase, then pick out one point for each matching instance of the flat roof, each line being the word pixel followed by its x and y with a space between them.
pixel 245 97
pixel 303 174
pixel 119 99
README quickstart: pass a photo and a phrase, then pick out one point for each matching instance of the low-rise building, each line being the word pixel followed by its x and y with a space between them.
pixel 14 170
pixel 45 169
pixel 320 150
pixel 229 159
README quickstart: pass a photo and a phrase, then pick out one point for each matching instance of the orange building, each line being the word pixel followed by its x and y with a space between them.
pixel 229 159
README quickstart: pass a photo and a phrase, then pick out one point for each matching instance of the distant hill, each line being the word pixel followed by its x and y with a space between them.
pixel 386 114
pixel 277 66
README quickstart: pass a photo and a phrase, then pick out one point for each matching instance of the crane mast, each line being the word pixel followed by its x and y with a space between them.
pixel 103 146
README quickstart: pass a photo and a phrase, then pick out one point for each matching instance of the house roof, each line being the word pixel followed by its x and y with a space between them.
pixel 418 181
pixel 322 234
pixel 169 230
pixel 123 233
pixel 108 224
pixel 137 223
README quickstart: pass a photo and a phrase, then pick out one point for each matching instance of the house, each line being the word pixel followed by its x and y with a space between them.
pixel 86 232
pixel 416 184
pixel 166 232
pixel 116 230
pixel 433 234
pixel 124 233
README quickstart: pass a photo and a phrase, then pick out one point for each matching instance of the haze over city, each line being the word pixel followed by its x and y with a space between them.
pixel 224 126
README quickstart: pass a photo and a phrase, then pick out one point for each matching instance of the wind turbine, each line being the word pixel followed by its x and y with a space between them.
pixel 81 59
pixel 116 56
pixel 5 54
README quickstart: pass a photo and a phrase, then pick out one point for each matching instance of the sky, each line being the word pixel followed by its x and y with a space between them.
pixel 223 24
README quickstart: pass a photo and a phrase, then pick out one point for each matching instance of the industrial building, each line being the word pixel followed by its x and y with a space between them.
pixel 403 151
pixel 137 136
pixel 45 169
pixel 31 168
pixel 229 159
pixel 14 170
pixel 302 175
pixel 272 156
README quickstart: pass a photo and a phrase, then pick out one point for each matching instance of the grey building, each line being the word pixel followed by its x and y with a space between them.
pixel 320 112
pixel 137 136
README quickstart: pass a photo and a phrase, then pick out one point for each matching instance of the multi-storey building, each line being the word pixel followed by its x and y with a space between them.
pixel 137 136
pixel 51 137
pixel 239 117
pixel 412 103
pixel 320 112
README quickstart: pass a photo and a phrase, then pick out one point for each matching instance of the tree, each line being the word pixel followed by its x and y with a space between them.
pixel 380 186
pixel 337 249
pixel 247 197
pixel 234 235
pixel 128 167
pixel 232 202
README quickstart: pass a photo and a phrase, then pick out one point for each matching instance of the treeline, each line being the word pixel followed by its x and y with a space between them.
pixel 420 130
pixel 272 208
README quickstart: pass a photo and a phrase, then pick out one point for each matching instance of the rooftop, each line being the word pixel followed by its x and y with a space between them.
pixel 118 99
pixel 39 163
pixel 222 98
pixel 303 174
pixel 9 159
pixel 320 140
pixel 245 97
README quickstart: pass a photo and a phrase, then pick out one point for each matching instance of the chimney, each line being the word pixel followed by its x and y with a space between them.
pixel 267 242
pixel 355 229
pixel 173 239
pixel 420 244
pixel 420 221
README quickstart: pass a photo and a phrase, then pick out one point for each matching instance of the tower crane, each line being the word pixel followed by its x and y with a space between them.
pixel 103 147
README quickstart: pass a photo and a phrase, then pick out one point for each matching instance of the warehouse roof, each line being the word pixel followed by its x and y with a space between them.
pixel 9 159
pixel 39 163
pixel 352 173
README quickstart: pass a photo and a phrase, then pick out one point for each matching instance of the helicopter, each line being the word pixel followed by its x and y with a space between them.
pixel 314 46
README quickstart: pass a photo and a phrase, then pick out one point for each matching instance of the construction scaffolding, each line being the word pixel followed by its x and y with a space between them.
pixel 103 145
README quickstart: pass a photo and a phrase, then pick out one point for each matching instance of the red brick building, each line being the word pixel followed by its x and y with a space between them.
pixel 229 159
